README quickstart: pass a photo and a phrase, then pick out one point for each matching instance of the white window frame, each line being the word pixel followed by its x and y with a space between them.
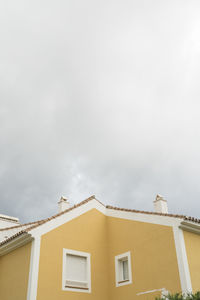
pixel 64 276
pixel 118 258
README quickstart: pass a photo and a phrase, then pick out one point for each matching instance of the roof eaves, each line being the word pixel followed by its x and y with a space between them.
pixel 195 220
pixel 15 242
pixel 12 237
pixel 193 227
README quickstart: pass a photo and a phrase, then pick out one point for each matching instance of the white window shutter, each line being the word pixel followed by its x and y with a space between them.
pixel 76 268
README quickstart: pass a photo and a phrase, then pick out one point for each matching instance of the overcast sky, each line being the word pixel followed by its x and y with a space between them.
pixel 99 97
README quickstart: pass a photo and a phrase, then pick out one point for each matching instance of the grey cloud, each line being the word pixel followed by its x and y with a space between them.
pixel 99 97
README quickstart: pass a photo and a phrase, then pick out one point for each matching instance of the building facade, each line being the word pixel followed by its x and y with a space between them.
pixel 97 252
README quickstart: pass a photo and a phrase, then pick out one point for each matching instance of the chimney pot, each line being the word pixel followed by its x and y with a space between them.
pixel 63 204
pixel 160 205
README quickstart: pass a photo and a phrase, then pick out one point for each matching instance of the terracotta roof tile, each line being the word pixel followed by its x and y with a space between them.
pixel 185 218
pixel 195 220
pixel 12 237
pixel 145 212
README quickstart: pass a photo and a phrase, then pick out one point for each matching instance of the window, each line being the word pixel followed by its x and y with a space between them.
pixel 123 269
pixel 76 271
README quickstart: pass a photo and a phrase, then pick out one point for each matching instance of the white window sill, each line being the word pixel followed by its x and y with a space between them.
pixel 124 282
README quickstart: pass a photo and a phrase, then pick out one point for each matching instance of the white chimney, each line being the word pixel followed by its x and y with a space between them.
pixel 160 205
pixel 63 204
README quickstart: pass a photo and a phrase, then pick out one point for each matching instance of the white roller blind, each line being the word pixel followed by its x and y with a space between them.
pixel 76 268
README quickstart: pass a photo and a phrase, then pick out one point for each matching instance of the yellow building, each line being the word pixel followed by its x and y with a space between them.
pixel 96 252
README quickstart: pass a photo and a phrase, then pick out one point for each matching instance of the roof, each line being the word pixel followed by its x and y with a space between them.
pixel 184 217
pixel 10 233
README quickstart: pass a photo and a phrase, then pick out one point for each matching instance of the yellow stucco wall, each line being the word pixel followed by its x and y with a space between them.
pixel 153 257
pixel 192 243
pixel 14 273
pixel 86 233
pixel 153 254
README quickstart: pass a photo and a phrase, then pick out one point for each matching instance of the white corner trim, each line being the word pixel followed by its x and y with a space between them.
pixel 117 271
pixel 34 269
pixel 64 277
pixel 183 266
